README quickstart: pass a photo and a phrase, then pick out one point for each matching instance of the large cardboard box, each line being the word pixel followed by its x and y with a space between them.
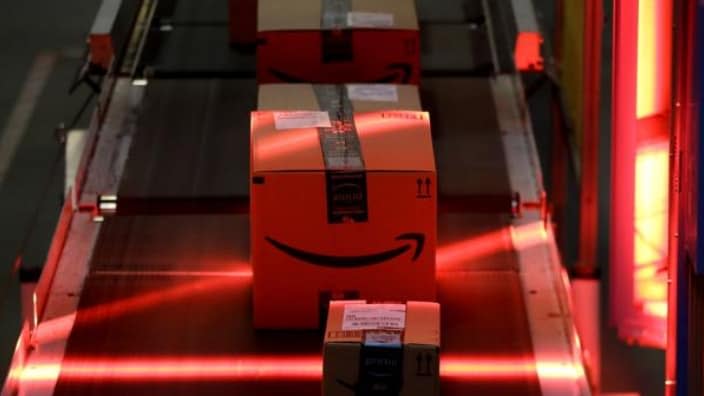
pixel 343 205
pixel 382 349
pixel 338 41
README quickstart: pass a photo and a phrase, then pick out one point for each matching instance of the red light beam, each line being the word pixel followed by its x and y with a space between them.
pixel 285 368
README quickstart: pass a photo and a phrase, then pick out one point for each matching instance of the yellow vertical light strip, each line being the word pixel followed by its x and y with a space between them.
pixel 647 50
pixel 651 228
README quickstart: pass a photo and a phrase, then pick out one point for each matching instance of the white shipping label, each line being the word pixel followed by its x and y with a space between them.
pixel 373 92
pixel 284 120
pixel 382 338
pixel 374 317
pixel 370 19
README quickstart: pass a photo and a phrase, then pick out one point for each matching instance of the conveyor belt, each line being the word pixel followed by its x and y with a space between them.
pixel 469 152
pixel 166 307
pixel 205 150
pixel 452 11
pixel 192 39
pixel 485 326
pixel 128 322
pixel 173 243
pixel 192 139
pixel 439 44
pixel 453 40
pixel 200 12
pixel 185 51
pixel 475 242
pixel 177 288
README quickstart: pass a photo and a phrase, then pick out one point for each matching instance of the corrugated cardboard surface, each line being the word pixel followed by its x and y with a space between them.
pixel 406 133
pixel 333 329
pixel 302 97
pixel 419 372
pixel 297 44
pixel 336 57
pixel 293 198
pixel 306 14
pixel 420 367
pixel 422 323
pixel 292 209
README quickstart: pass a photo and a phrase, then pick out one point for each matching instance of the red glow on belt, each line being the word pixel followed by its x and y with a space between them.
pixel 291 368
pixel 182 290
pixel 477 369
pixel 180 369
pixel 454 254
pixel 526 236
pixel 175 274
pixel 529 235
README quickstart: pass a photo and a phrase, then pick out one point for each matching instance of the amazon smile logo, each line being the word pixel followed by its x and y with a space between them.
pixel 412 240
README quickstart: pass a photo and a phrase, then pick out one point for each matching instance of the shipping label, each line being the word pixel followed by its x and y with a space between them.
pixel 285 120
pixel 357 19
pixel 373 92
pixel 374 317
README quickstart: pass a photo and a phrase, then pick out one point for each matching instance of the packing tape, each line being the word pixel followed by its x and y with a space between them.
pixel 381 363
pixel 346 180
pixel 334 14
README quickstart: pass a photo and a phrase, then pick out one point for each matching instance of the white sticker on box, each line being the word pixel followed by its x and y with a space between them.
pixel 374 317
pixel 284 120
pixel 370 19
pixel 382 338
pixel 373 92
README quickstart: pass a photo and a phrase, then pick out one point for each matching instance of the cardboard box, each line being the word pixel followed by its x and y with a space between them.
pixel 382 349
pixel 338 41
pixel 343 205
pixel 362 97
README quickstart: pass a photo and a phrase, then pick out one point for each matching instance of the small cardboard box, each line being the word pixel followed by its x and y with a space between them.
pixel 338 41
pixel 343 205
pixel 382 349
